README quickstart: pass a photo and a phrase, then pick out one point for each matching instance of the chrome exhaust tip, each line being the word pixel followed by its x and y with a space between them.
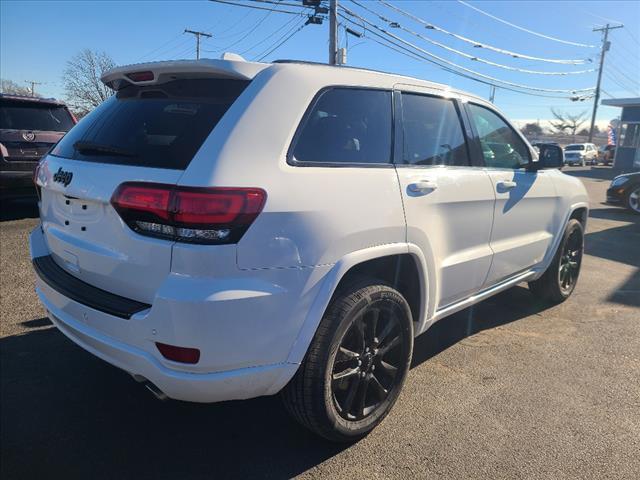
pixel 159 394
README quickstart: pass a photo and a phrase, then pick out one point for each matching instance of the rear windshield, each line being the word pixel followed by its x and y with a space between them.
pixel 160 126
pixel 34 116
pixel 574 147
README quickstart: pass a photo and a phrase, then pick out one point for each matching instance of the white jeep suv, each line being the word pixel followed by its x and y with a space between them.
pixel 224 229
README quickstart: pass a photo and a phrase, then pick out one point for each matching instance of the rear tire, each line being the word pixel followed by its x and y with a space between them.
pixel 356 364
pixel 560 279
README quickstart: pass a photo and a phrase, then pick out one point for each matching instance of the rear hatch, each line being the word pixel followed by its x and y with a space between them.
pixel 28 129
pixel 144 133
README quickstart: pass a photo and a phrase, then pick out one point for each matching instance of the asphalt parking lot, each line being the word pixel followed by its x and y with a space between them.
pixel 507 389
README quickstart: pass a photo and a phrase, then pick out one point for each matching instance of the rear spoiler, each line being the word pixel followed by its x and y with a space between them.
pixel 161 72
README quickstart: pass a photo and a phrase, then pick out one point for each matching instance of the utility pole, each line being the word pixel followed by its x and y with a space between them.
pixel 33 86
pixel 605 48
pixel 492 95
pixel 197 35
pixel 333 31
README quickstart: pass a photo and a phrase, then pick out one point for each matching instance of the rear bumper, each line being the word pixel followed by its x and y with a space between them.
pixel 245 342
pixel 193 387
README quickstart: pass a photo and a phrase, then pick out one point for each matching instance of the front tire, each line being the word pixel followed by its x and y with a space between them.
pixel 632 200
pixel 560 279
pixel 356 364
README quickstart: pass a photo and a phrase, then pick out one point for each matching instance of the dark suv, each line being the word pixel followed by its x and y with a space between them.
pixel 29 126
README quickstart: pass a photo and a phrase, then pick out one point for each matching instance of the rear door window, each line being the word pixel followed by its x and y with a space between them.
pixel 27 115
pixel 432 132
pixel 160 126
pixel 346 126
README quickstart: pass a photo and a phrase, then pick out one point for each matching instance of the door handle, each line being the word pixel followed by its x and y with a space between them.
pixel 506 185
pixel 422 186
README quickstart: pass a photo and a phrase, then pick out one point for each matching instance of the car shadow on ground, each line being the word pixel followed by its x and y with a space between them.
pixel 18 208
pixel 619 244
pixel 595 172
pixel 67 413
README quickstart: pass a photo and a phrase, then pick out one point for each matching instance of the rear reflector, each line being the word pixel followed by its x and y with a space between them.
pixel 179 354
pixel 140 76
pixel 213 215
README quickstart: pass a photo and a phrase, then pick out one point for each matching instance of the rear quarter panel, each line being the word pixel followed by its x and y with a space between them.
pixel 313 215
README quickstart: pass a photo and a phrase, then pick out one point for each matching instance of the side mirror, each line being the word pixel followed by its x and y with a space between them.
pixel 551 156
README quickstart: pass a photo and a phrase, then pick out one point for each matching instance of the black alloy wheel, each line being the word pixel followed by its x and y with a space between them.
pixel 570 262
pixel 357 362
pixel 367 362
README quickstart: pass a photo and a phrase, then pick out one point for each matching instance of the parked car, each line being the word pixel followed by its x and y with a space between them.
pixel 625 191
pixel 29 127
pixel 581 154
pixel 225 229
pixel 606 154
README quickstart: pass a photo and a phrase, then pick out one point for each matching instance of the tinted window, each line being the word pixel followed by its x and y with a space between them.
pixel 501 145
pixel 574 147
pixel 160 126
pixel 34 116
pixel 347 125
pixel 432 132
pixel 630 135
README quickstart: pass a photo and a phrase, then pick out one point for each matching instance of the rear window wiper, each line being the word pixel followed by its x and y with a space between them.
pixel 100 149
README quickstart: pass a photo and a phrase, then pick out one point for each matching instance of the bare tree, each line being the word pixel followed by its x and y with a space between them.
pixel 531 130
pixel 566 122
pixel 83 89
pixel 12 88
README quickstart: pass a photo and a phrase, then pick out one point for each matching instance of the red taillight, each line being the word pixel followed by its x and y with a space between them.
pixel 179 354
pixel 197 215
pixel 150 200
pixel 140 76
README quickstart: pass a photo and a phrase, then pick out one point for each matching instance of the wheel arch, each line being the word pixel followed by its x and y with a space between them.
pixel 579 211
pixel 399 264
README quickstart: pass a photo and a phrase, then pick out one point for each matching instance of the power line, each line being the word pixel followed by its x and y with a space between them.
pixel 279 2
pixel 622 84
pixel 255 6
pixel 620 72
pixel 159 48
pixel 633 37
pixel 478 44
pixel 459 67
pixel 284 25
pixel 399 48
pixel 282 42
pixel 458 52
pixel 249 32
pixel 548 37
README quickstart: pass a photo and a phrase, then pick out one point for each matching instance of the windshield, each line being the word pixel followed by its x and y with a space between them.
pixel 28 115
pixel 574 147
pixel 160 126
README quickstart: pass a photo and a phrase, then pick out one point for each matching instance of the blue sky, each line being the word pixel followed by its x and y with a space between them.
pixel 37 38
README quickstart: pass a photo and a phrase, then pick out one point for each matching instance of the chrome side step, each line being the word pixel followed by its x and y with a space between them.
pixel 484 294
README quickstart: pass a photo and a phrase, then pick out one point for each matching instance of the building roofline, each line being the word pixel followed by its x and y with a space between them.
pixel 622 102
